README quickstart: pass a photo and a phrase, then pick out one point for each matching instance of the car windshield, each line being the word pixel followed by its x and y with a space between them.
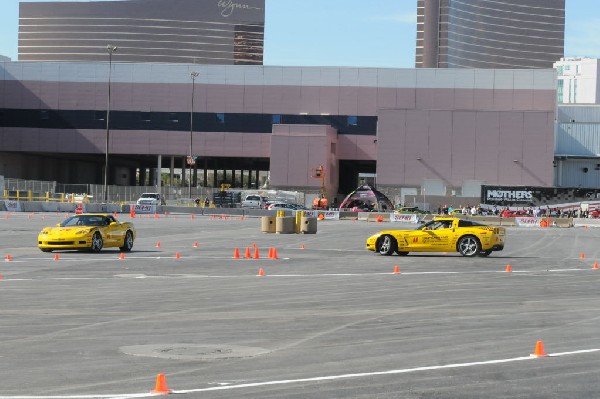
pixel 85 220
pixel 149 196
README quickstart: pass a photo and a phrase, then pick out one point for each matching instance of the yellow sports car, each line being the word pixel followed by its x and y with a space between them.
pixel 442 234
pixel 89 231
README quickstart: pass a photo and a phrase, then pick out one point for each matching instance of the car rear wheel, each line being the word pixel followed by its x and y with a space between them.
pixel 387 245
pixel 128 242
pixel 97 242
pixel 469 246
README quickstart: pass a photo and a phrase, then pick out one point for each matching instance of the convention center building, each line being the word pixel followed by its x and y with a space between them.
pixel 439 131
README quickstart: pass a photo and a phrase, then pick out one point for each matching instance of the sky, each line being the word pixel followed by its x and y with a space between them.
pixel 361 33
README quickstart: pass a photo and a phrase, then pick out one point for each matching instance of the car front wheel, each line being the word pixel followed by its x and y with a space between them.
pixel 387 245
pixel 128 242
pixel 97 242
pixel 469 246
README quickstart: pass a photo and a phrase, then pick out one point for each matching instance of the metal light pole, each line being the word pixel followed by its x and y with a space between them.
pixel 111 49
pixel 193 75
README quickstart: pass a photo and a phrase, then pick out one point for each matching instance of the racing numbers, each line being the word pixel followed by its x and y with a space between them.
pixel 415 240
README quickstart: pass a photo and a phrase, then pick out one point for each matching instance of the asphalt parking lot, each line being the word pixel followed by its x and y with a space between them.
pixel 330 320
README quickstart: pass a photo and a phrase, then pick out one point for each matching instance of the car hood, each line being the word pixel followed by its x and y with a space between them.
pixel 61 231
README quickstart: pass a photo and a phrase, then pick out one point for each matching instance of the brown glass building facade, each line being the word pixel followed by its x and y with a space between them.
pixel 489 33
pixel 222 32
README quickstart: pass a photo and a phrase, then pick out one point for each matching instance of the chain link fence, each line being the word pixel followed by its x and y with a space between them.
pixel 35 190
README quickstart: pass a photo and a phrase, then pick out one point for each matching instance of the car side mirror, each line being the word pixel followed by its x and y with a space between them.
pixel 423 228
pixel 57 224
pixel 113 223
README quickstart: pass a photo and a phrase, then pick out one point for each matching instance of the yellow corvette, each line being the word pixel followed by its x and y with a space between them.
pixel 89 231
pixel 442 234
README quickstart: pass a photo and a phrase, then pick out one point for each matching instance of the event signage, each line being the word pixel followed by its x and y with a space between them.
pixel 404 218
pixel 12 206
pixel 144 208
pixel 331 215
pixel 511 196
pixel 528 221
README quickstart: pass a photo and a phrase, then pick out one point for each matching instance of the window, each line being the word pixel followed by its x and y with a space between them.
pixel 173 117
pixel 221 118
pixel 100 115
pixel 276 119
pixel 44 114
pixel 352 120
pixel 559 91
pixel 145 116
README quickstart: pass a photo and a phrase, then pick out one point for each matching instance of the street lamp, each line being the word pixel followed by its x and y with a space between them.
pixel 193 75
pixel 111 49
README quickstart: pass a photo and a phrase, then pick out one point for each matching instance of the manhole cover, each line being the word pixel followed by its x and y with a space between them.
pixel 193 351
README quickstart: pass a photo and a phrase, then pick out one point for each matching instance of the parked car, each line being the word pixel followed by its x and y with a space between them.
pixel 410 210
pixel 253 201
pixel 151 199
pixel 514 214
pixel 286 206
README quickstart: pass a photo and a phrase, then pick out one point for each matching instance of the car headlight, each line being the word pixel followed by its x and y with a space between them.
pixel 82 231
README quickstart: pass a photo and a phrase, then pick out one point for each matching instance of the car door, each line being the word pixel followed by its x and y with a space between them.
pixel 433 238
pixel 114 232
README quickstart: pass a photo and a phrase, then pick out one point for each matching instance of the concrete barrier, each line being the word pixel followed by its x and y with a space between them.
pixel 378 216
pixel 267 224
pixel 285 225
pixel 308 225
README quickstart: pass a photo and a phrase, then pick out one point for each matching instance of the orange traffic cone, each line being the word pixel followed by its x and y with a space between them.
pixel 8 258
pixel 1 276
pixel 595 265
pixel 273 253
pixel 508 268
pixel 193 216
pixel 56 257
pixel 156 216
pixel 161 385
pixel 302 246
pixel 236 253
pixel 261 272
pixel 177 255
pixel 158 244
pixel 256 254
pixel 196 245
pixel 539 349
pixel 396 269
pixel 122 255
pixel 247 253
pixel 582 256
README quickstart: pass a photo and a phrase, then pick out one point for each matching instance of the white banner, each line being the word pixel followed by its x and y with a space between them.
pixel 12 206
pixel 144 208
pixel 528 221
pixel 404 218
pixel 310 214
pixel 331 215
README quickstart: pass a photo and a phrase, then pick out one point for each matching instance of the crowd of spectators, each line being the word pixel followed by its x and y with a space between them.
pixel 467 210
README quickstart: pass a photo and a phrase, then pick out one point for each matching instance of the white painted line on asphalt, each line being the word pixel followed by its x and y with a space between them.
pixel 168 276
pixel 311 379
